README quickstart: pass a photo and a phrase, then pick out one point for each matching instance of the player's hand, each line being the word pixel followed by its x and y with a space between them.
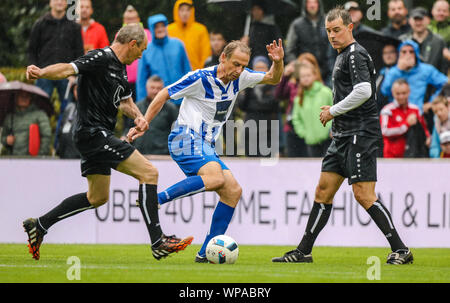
pixel 325 115
pixel 276 51
pixel 428 142
pixel 33 72
pixel 141 124
pixel 133 134
pixel 411 119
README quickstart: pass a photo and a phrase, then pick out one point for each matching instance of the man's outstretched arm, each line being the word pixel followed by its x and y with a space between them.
pixel 129 108
pixel 153 109
pixel 52 72
pixel 276 53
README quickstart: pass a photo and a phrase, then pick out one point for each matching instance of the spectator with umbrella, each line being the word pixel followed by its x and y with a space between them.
pixel 263 30
pixel 389 56
pixel 307 34
pixel 26 127
pixel 2 78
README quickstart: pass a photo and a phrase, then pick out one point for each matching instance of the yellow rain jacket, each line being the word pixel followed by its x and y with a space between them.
pixel 194 36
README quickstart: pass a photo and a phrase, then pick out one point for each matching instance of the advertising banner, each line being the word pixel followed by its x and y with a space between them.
pixel 273 210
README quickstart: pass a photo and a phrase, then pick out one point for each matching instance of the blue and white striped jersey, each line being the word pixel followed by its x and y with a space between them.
pixel 207 101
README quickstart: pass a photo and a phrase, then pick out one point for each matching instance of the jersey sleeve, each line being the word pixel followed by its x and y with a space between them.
pixel 358 67
pixel 250 78
pixel 90 62
pixel 127 92
pixel 188 85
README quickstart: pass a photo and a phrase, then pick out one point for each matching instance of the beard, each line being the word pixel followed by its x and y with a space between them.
pixel 398 19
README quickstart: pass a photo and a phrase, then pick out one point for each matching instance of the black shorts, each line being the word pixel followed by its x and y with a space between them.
pixel 100 151
pixel 353 157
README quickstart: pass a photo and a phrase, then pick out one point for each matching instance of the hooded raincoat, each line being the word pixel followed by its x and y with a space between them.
pixel 163 57
pixel 193 34
pixel 418 78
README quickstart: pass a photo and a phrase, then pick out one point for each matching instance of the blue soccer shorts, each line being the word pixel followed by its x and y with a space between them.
pixel 191 151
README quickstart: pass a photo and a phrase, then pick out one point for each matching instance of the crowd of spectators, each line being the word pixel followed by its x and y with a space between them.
pixel 412 83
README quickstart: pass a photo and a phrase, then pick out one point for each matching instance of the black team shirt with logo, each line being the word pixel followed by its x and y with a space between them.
pixel 353 66
pixel 102 85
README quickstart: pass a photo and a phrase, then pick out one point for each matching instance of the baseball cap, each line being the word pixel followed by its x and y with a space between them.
pixel 445 137
pixel 351 5
pixel 419 12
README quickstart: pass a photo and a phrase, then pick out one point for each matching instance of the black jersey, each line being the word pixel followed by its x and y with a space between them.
pixel 353 66
pixel 102 85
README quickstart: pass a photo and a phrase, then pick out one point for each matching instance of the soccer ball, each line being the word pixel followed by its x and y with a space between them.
pixel 222 249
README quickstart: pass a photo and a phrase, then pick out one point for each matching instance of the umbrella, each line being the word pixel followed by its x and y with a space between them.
pixel 274 7
pixel 374 41
pixel 8 91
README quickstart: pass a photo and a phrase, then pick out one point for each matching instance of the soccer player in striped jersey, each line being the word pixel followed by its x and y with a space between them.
pixel 208 96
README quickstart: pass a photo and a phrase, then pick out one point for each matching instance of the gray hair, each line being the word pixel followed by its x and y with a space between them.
pixel 131 32
pixel 155 78
pixel 233 45
pixel 400 81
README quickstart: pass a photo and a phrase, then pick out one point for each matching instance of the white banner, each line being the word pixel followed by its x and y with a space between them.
pixel 274 208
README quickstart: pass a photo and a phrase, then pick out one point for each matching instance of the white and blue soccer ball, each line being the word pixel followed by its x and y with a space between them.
pixel 222 250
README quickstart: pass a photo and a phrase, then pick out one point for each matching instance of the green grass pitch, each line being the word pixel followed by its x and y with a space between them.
pixel 134 263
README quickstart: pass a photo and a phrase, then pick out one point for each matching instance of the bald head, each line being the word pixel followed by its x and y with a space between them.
pixel 440 10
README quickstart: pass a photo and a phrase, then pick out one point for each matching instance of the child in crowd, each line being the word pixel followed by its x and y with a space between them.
pixel 312 94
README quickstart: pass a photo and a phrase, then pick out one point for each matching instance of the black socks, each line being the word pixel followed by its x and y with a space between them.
pixel 68 207
pixel 381 216
pixel 318 218
pixel 148 204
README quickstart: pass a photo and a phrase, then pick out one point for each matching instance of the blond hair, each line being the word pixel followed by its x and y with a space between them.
pixel 233 45
pixel 440 99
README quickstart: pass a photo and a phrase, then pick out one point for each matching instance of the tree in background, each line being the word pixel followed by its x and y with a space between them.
pixel 18 18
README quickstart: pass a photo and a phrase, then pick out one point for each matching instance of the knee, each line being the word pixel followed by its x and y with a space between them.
pixel 97 200
pixel 321 193
pixel 236 193
pixel 149 174
pixel 363 197
pixel 359 196
pixel 231 195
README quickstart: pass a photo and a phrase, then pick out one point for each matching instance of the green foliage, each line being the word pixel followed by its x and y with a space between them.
pixel 15 74
pixel 18 18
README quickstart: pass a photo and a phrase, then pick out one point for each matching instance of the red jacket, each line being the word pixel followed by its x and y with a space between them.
pixel 394 127
pixel 94 37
